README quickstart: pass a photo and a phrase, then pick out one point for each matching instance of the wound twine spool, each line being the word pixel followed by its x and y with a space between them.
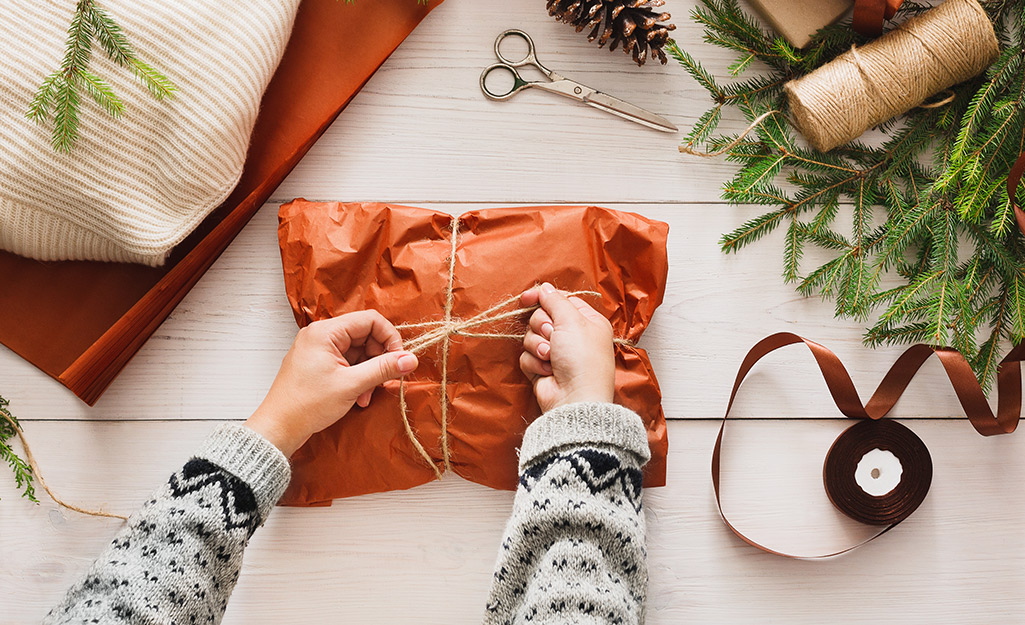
pixel 893 74
pixel 878 472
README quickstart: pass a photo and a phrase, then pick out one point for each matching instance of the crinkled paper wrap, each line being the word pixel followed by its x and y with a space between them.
pixel 338 258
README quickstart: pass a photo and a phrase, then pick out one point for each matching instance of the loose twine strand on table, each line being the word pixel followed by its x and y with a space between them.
pixel 42 482
pixel 442 331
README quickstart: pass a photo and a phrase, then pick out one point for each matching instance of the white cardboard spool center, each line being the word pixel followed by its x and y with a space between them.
pixel 878 472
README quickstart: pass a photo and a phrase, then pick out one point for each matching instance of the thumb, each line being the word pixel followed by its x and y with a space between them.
pixel 377 370
pixel 557 305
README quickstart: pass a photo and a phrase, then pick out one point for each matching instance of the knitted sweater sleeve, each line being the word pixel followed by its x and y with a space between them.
pixel 178 558
pixel 573 551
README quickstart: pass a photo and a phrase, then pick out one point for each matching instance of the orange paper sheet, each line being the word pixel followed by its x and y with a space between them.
pixel 339 258
pixel 81 321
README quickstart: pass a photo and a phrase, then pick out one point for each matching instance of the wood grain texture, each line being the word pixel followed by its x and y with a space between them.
pixel 218 352
pixel 423 115
pixel 422 134
pixel 425 555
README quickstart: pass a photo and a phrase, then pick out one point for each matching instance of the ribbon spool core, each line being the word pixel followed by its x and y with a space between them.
pixel 878 472
pixel 867 450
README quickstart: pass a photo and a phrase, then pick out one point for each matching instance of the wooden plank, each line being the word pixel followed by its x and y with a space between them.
pixel 421 133
pixel 216 355
pixel 421 125
pixel 425 555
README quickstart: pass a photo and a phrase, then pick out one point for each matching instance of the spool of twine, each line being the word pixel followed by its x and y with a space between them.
pixel 893 74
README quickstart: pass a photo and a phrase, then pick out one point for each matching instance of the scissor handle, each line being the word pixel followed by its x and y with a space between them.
pixel 518 83
pixel 529 59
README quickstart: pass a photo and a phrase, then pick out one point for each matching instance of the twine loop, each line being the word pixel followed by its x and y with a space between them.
pixel 440 332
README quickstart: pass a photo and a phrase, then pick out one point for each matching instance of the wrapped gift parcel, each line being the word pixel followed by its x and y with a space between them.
pixel 339 258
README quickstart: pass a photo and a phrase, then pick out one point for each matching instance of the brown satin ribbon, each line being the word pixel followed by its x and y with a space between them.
pixel 870 15
pixel 1013 180
pixel 896 380
pixel 841 483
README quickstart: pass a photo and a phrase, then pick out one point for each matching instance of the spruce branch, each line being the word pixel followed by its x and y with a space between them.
pixel 59 97
pixel 20 468
pixel 937 185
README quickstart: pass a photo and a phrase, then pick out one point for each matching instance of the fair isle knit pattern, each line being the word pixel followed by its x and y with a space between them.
pixel 573 551
pixel 179 556
pixel 133 188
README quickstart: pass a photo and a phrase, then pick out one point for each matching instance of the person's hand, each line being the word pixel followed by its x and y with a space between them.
pixel 567 352
pixel 332 364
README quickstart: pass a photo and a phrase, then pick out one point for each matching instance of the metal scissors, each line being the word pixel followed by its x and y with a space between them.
pixel 564 86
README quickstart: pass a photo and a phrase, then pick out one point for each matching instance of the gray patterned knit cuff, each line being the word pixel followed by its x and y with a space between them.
pixel 251 458
pixel 585 423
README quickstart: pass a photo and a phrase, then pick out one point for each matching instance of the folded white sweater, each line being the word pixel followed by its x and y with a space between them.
pixel 132 188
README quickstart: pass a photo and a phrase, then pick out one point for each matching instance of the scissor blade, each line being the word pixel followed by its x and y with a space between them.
pixel 609 104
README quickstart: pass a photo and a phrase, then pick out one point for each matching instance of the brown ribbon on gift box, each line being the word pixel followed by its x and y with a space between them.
pixel 1013 180
pixel 869 15
pixel 870 433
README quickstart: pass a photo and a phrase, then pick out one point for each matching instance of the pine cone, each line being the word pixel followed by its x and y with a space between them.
pixel 634 23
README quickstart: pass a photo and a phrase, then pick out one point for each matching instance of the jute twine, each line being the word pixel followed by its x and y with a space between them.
pixel 893 74
pixel 437 332
pixel 441 332
pixel 42 482
pixel 687 149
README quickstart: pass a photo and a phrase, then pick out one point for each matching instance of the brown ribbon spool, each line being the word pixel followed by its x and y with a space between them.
pixel 870 15
pixel 865 436
pixel 893 385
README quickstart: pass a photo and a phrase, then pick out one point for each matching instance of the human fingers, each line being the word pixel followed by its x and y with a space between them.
pixel 537 345
pixel 541 323
pixel 358 353
pixel 530 297
pixel 589 312
pixel 371 373
pixel 557 305
pixel 533 367
pixel 356 328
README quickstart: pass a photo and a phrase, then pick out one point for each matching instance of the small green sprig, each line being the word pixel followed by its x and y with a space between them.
pixel 22 471
pixel 59 97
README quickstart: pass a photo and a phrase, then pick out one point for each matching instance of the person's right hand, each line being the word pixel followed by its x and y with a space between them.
pixel 333 364
pixel 567 352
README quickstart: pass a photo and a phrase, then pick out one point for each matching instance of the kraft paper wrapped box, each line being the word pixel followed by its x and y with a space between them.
pixel 339 258
pixel 798 20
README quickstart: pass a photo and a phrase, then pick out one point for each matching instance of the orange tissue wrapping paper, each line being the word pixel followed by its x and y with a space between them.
pixel 339 258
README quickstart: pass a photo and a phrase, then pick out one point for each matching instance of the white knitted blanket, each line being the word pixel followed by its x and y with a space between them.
pixel 132 188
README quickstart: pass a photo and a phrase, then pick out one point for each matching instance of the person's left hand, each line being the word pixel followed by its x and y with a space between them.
pixel 332 364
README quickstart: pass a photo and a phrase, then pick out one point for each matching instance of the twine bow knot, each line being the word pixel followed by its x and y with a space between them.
pixel 440 332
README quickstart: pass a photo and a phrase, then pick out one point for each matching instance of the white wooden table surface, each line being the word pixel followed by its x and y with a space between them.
pixel 421 133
